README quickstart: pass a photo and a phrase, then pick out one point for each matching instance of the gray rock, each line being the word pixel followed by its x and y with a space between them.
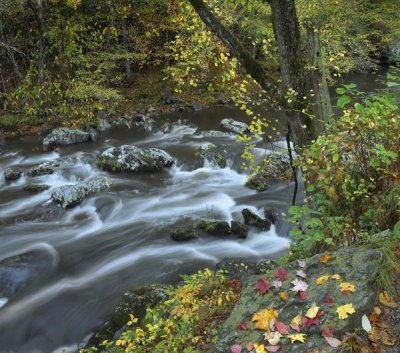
pixel 240 229
pixel 129 158
pixel 214 227
pixel 356 265
pixel 52 166
pixel 275 167
pixel 214 155
pixel 123 121
pixel 36 187
pixel 234 126
pixel 197 107
pixel 103 125
pixel 145 122
pixel 236 267
pixel 2 139
pixel 72 195
pixel 394 52
pixel 211 133
pixel 12 173
pixel 134 301
pixel 184 234
pixel 223 100
pixel 63 137
pixel 251 219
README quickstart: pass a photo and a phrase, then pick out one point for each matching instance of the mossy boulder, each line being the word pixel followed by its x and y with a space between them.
pixel 357 265
pixel 36 187
pixel 215 227
pixel 233 126
pixel 275 167
pixel 214 155
pixel 240 229
pixel 63 137
pixel 251 219
pixel 128 158
pixel 184 234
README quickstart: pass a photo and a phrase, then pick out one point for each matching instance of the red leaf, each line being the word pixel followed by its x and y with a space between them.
pixel 250 346
pixel 281 327
pixel 328 300
pixel 302 294
pixel 281 274
pixel 244 326
pixel 272 348
pixel 236 348
pixel 295 327
pixel 316 320
pixel 333 342
pixel 327 331
pixel 262 285
pixel 303 321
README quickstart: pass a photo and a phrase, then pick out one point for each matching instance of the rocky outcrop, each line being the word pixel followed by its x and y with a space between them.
pixel 12 173
pixel 275 167
pixel 72 195
pixel 135 302
pixel 214 155
pixel 357 265
pixel 233 126
pixel 251 219
pixel 64 137
pixel 36 187
pixel 129 158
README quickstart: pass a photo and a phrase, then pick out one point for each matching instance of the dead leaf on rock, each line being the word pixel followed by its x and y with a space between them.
pixel 386 300
pixel 324 259
pixel 387 339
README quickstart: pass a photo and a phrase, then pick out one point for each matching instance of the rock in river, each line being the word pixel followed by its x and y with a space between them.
pixel 64 137
pixel 251 219
pixel 234 126
pixel 129 158
pixel 72 195
pixel 12 173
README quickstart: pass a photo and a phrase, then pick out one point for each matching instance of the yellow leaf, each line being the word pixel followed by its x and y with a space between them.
pixel 344 310
pixel 284 296
pixel 322 279
pixel 263 318
pixel 273 338
pixel 259 348
pixel 296 320
pixel 219 301
pixel 325 259
pixel 299 337
pixel 347 288
pixel 312 312
pixel 336 276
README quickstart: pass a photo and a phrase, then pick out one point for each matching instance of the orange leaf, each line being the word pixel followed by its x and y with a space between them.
pixel 324 259
pixel 284 296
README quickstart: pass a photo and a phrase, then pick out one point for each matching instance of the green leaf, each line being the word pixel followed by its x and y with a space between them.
pixel 310 188
pixel 374 162
pixel 341 90
pixel 335 157
pixel 350 86
pixel 392 84
pixel 396 230
pixel 343 101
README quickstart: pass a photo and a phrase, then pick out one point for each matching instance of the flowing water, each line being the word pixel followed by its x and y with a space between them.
pixel 85 257
pixel 119 238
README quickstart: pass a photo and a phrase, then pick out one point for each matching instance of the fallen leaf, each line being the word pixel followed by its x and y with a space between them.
pixel 365 323
pixel 299 286
pixel 374 335
pixel 301 263
pixel 296 320
pixel 301 274
pixel 312 312
pixel 263 317
pixel 284 296
pixel 322 279
pixel 302 294
pixel 281 274
pixel 262 285
pixel 273 338
pixel 236 348
pixel 277 284
pixel 333 342
pixel 327 331
pixel 336 277
pixel 295 327
pixel 373 317
pixel 387 300
pixel 281 327
pixel 250 346
pixel 244 326
pixel 316 320
pixel 328 300
pixel 324 259
pixel 344 310
pixel 298 337
pixel 347 288
pixel 260 348
pixel 272 348
pixel 377 310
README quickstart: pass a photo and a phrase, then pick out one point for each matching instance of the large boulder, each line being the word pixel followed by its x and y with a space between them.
pixel 236 127
pixel 72 195
pixel 63 137
pixel 133 302
pixel 12 173
pixel 357 265
pixel 275 167
pixel 251 219
pixel 129 158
